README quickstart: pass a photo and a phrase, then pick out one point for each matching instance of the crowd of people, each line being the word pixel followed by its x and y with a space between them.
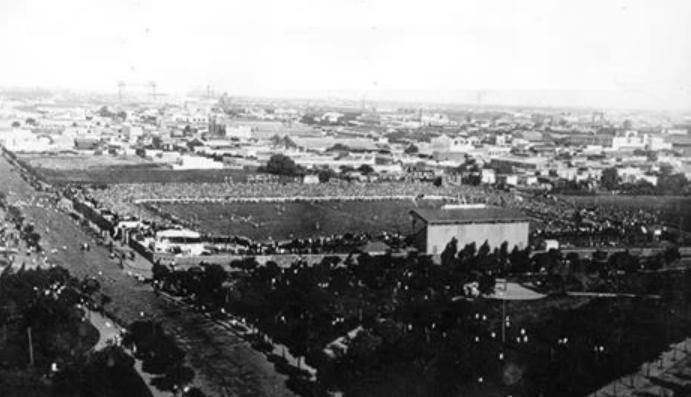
pixel 121 193
pixel 333 244
pixel 552 217
pixel 610 225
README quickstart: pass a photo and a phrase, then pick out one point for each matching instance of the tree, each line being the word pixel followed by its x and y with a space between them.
pixel 193 392
pixel 346 169
pixel 339 147
pixel 308 119
pixel 623 261
pixel 174 379
pixel 366 169
pixel 671 254
pixel 437 181
pixel 610 178
pixel 486 284
pixel 325 175
pixel 412 149
pixel 280 164
pixel 674 183
pixel 30 121
pixel 364 346
pixel 449 253
pixel 105 112
pixel 575 263
pixel 520 260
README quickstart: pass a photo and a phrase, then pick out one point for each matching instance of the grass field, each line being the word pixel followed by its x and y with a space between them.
pixel 281 221
pixel 81 161
pixel 106 170
pixel 136 174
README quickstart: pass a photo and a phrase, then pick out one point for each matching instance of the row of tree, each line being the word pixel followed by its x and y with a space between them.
pixel 667 183
pixel 415 322
pixel 46 344
pixel 280 164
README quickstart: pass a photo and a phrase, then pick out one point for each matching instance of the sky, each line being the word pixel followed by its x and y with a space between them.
pixel 594 53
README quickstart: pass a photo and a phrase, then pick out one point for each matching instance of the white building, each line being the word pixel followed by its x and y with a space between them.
pixel 632 140
pixel 182 241
pixel 436 119
pixel 196 163
pixel 239 132
pixel 460 144
pixel 195 118
pixel 20 140
pixel 488 176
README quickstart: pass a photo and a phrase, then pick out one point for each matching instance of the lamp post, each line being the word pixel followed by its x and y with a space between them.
pixel 504 319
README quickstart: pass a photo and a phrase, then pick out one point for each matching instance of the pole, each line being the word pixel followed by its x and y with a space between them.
pixel 503 315
pixel 503 321
pixel 31 347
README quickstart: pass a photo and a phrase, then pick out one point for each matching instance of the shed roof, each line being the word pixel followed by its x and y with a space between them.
pixel 470 215
pixel 374 247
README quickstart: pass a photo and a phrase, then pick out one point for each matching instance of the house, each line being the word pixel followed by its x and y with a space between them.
pixel 196 163
pixel 310 179
pixel 323 144
pixel 86 143
pixel 632 140
pixel 460 144
pixel 488 176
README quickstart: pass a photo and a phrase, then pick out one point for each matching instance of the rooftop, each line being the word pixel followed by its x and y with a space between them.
pixel 470 215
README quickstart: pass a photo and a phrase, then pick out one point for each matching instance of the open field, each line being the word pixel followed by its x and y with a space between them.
pixel 280 221
pixel 106 170
pixel 81 161
pixel 139 174
pixel 224 363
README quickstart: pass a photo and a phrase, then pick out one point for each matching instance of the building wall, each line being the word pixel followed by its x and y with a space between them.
pixel 516 234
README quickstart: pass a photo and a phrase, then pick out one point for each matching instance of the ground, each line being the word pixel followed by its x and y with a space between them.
pixel 81 161
pixel 107 169
pixel 224 364
pixel 280 221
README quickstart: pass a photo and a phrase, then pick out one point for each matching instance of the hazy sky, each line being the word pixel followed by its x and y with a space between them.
pixel 615 53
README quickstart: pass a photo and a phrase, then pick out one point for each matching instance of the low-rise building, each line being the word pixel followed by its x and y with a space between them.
pixel 433 229
pixel 178 241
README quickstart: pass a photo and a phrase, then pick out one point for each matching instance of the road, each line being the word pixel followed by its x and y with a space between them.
pixel 672 370
pixel 224 364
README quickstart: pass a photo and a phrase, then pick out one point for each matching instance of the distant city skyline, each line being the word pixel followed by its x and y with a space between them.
pixel 610 54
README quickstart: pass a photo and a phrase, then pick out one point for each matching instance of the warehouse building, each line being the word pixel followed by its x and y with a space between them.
pixel 434 228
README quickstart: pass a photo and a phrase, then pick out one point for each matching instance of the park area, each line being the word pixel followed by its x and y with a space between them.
pixel 301 219
pixel 106 170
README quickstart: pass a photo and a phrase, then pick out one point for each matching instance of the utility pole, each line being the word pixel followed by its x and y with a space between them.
pixel 31 347
pixel 503 316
